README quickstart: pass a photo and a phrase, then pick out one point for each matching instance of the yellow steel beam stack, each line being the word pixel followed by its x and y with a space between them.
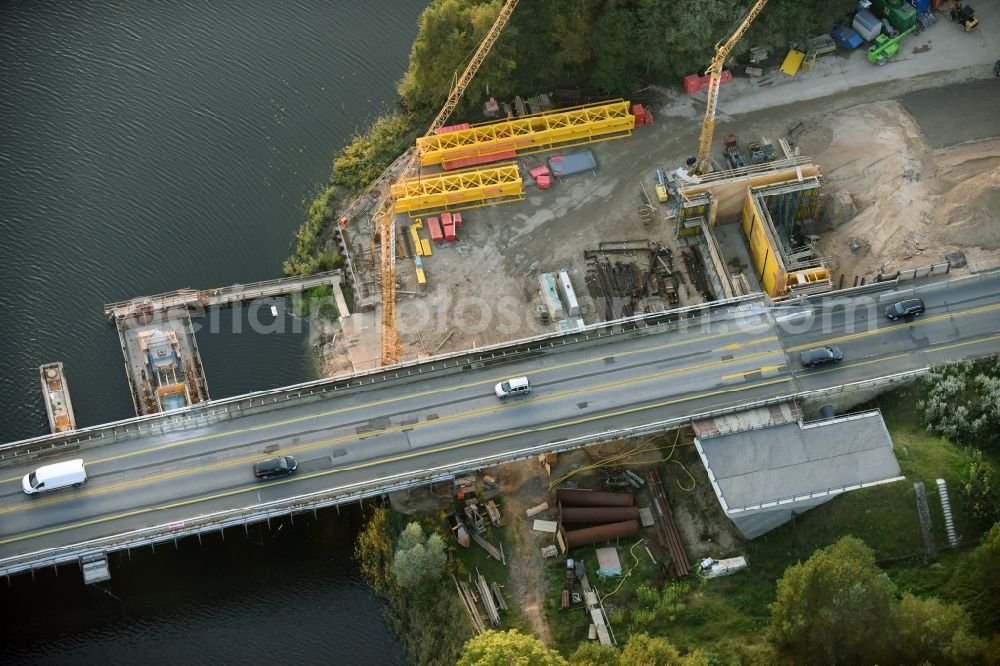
pixel 458 190
pixel 531 134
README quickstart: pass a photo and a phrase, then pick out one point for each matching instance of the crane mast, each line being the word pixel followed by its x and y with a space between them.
pixel 383 217
pixel 703 162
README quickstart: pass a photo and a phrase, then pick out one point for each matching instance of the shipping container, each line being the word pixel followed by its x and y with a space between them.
pixel 572 163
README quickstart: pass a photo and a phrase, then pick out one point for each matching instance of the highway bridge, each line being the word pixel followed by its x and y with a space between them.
pixel 160 478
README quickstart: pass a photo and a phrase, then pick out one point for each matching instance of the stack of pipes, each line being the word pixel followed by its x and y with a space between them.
pixel 611 515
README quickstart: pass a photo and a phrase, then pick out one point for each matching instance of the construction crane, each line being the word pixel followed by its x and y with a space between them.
pixel 703 163
pixel 383 219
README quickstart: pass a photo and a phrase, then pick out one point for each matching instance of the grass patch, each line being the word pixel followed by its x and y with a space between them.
pixel 729 615
pixel 308 257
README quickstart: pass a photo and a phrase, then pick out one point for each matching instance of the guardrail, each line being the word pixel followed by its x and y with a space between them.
pixel 919 272
pixel 229 408
pixel 893 283
pixel 362 490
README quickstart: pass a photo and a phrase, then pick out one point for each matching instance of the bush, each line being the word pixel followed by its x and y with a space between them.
pixel 935 632
pixel 979 489
pixel 963 403
pixel 978 585
pixel 368 154
pixel 305 260
pixel 430 624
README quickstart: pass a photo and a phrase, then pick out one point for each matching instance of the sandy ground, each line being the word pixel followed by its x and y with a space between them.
pixel 907 180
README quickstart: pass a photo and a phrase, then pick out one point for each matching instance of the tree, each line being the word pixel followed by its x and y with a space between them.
pixel 979 488
pixel 595 654
pixel 418 558
pixel 450 32
pixel 508 648
pixel 933 631
pixel 978 583
pixel 836 607
pixel 645 650
pixel 374 552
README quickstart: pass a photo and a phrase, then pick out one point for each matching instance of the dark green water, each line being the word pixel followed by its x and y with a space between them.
pixel 150 146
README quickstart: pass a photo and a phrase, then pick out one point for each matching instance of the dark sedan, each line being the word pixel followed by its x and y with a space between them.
pixel 821 356
pixel 274 467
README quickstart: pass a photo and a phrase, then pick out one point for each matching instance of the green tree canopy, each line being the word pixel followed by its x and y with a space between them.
pixel 450 32
pixel 508 648
pixel 607 44
pixel 936 632
pixel 418 558
pixel 595 654
pixel 836 607
pixel 979 585
pixel 645 650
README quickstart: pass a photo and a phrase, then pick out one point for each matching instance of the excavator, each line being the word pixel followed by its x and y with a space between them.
pixel 384 217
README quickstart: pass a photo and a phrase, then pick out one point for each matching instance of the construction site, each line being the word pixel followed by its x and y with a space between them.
pixel 811 172
pixel 805 173
pixel 560 216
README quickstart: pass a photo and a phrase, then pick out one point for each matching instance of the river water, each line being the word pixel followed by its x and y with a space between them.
pixel 153 146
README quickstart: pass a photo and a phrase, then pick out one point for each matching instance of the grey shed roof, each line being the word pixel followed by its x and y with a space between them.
pixel 796 462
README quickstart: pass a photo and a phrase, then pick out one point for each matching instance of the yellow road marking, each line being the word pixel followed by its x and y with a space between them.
pixel 410 396
pixel 884 329
pixel 762 369
pixel 385 431
pixel 384 461
pixel 482 440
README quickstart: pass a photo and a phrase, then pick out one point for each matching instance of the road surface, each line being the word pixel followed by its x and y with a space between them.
pixel 626 380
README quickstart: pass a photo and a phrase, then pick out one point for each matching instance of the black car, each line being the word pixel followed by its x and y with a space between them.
pixel 272 467
pixel 821 356
pixel 908 308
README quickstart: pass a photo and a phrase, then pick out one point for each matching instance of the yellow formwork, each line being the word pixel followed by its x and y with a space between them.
pixel 531 134
pixel 766 260
pixel 416 239
pixel 458 190
pixel 767 263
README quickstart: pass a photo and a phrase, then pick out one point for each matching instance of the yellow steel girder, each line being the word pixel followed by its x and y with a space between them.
pixel 460 189
pixel 528 134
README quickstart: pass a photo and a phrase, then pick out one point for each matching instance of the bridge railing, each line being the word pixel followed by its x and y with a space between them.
pixel 187 294
pixel 358 491
pixel 229 408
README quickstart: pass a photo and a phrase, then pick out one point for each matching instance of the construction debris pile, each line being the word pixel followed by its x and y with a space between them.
pixel 624 277
pixel 473 525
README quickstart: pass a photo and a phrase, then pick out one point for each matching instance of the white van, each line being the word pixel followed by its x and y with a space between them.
pixel 512 386
pixel 53 477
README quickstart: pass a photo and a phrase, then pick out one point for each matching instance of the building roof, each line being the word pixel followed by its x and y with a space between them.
pixel 798 461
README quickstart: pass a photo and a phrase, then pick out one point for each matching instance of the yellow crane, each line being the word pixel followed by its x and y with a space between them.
pixel 384 216
pixel 703 163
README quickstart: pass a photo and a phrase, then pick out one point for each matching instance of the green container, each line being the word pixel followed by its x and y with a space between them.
pixel 901 14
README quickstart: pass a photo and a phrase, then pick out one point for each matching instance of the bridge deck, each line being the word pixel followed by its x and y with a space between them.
pixel 179 477
pixel 236 293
